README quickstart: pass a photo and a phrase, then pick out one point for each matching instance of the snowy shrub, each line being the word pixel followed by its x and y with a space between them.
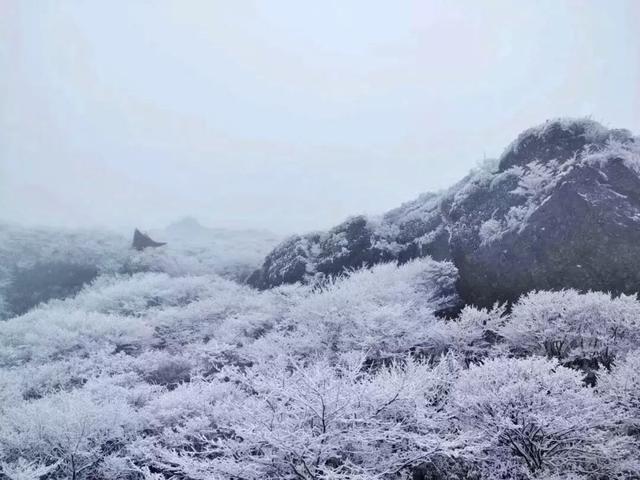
pixel 159 375
pixel 165 370
pixel 114 466
pixel 52 332
pixel 472 336
pixel 490 230
pixel 188 400
pixel 138 294
pixel 622 387
pixel 533 415
pixel 385 310
pixel 70 430
pixel 572 326
pixel 33 380
pixel 234 314
pixel 537 178
pixel 321 421
pixel 23 469
pixel 628 151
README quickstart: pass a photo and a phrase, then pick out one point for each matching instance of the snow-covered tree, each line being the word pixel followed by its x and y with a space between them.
pixel 322 421
pixel 622 387
pixel 69 430
pixel 533 416
pixel 385 310
pixel 569 325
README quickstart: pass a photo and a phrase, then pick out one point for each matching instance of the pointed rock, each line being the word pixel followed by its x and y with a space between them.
pixel 142 241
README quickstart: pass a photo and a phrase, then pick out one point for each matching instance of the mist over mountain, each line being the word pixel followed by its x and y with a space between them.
pixel 487 331
pixel 559 209
pixel 40 264
pixel 320 240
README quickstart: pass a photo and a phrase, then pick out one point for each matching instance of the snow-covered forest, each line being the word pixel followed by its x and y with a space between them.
pixel 173 373
pixel 336 240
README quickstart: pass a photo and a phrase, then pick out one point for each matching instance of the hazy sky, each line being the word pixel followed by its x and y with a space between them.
pixel 288 115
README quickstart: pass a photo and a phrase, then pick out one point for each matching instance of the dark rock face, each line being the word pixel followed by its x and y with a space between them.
pixel 347 246
pixel 356 243
pixel 45 281
pixel 561 209
pixel 142 241
pixel 571 222
pixel 581 237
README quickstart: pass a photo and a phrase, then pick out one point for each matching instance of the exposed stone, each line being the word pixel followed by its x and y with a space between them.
pixel 584 234
pixel 300 258
pixel 555 139
pixel 142 241
pixel 560 209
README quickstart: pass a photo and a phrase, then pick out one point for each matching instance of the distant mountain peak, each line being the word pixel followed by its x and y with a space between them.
pixel 186 223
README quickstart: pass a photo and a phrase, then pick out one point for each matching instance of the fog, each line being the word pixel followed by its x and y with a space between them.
pixel 286 115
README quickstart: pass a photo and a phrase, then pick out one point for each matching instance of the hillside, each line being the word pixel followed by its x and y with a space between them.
pixel 40 264
pixel 163 365
pixel 559 209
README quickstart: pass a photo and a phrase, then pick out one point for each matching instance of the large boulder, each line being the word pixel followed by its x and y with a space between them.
pixel 559 209
pixel 582 232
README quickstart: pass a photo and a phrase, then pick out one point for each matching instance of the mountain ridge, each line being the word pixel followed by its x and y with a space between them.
pixel 558 209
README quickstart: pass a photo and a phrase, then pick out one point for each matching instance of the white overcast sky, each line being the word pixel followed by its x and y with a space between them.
pixel 287 115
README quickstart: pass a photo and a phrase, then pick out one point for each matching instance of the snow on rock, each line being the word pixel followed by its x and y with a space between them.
pixel 564 193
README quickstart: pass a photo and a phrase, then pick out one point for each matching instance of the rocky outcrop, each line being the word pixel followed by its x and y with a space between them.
pixel 559 140
pixel 355 243
pixel 349 245
pixel 142 241
pixel 559 209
